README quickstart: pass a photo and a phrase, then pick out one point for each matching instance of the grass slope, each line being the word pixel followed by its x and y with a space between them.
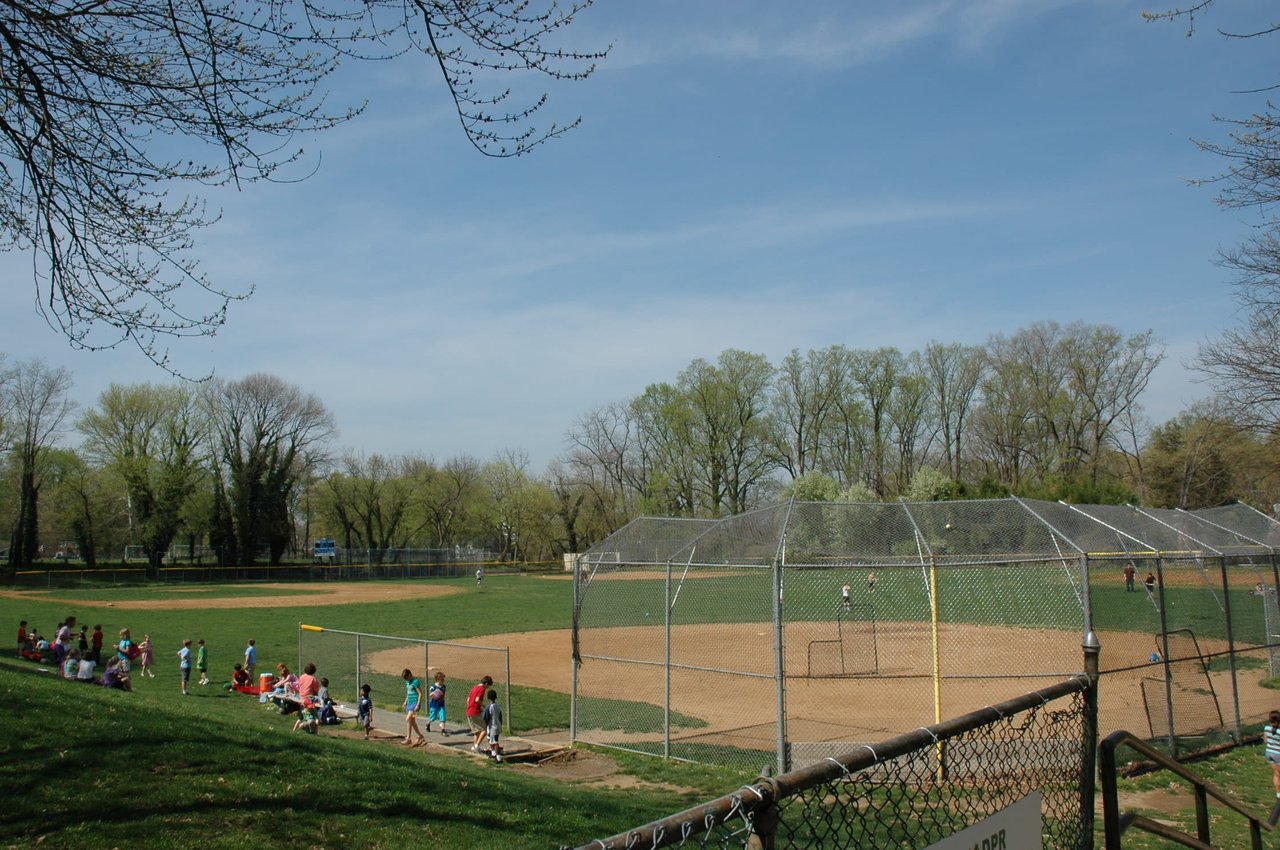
pixel 85 767
pixel 1241 772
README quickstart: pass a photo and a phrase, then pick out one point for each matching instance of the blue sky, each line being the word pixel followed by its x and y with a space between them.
pixel 748 174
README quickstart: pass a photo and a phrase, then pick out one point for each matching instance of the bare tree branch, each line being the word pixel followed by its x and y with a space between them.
pixel 108 111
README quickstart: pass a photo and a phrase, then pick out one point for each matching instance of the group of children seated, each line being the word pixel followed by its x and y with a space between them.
pixel 73 663
pixel 304 695
pixel 34 647
pixel 81 669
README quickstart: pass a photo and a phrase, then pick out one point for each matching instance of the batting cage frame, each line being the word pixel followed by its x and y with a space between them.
pixel 735 641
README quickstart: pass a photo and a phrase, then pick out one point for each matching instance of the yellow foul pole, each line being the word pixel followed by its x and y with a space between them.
pixel 937 658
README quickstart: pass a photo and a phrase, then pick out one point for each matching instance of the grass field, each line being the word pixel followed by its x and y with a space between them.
pixel 508 603
pixel 1036 595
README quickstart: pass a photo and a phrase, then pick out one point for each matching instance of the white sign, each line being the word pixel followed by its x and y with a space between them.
pixel 1014 828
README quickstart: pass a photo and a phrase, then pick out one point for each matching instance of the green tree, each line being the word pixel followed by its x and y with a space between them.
pixel 605 466
pixel 1187 460
pixel 664 436
pixel 929 485
pixel 523 513
pixel 87 507
pixel 36 403
pixel 154 439
pixel 953 373
pixel 730 433
pixel 1052 398
pixel 806 395
pixel 875 374
pixel 813 487
pixel 858 492
pixel 912 421
pixel 370 497
pixel 449 500
pixel 266 434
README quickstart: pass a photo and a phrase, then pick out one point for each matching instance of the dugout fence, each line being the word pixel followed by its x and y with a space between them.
pixel 1032 755
pixel 733 641
pixel 349 659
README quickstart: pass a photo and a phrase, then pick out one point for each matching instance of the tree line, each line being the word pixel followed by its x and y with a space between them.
pixel 247 469
pixel 1050 411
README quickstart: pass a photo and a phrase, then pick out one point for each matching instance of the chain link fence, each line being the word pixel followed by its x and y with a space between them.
pixel 350 565
pixel 1034 753
pixel 349 659
pixel 803 630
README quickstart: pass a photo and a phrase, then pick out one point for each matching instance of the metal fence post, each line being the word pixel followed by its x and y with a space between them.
pixel 764 828
pixel 1164 652
pixel 666 667
pixel 1236 733
pixel 780 663
pixel 573 655
pixel 1092 651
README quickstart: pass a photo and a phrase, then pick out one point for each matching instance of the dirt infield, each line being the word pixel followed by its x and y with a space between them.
pixel 314 594
pixel 981 665
pixel 852 707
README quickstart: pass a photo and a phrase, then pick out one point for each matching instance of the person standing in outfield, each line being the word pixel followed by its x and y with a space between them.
pixel 493 726
pixel 184 665
pixel 475 710
pixel 479 576
pixel 202 661
pixel 844 596
pixel 250 659
pixel 435 702
pixel 1129 572
pixel 146 657
pixel 364 710
pixel 412 700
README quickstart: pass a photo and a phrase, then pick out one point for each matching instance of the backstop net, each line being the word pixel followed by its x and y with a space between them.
pixel 792 633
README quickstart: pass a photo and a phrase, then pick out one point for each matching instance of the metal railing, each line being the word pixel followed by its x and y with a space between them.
pixel 914 789
pixel 1115 822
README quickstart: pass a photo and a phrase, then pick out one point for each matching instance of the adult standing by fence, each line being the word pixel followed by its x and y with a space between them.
pixel 475 710
pixel 1129 572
